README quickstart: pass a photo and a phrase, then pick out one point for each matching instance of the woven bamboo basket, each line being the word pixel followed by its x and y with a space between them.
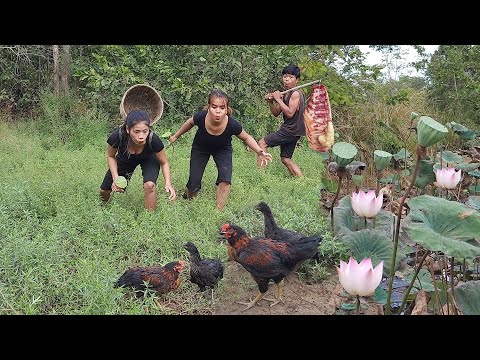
pixel 142 97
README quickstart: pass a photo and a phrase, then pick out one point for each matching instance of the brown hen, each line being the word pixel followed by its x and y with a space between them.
pixel 266 258
pixel 161 279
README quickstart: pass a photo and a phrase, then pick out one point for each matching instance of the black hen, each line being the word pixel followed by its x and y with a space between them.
pixel 274 232
pixel 204 272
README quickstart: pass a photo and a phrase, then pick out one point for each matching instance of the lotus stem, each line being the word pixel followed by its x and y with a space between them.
pixel 365 222
pixel 419 266
pixel 420 151
pixel 452 283
pixel 437 294
pixel 464 270
pixel 445 286
pixel 341 172
pixel 441 166
pixel 357 312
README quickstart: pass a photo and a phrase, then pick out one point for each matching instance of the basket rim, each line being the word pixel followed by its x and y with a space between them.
pixel 122 110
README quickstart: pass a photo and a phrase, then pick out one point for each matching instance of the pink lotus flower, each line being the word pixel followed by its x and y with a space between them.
pixel 360 279
pixel 447 178
pixel 367 204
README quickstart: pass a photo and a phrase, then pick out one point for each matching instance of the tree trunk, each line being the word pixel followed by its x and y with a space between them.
pixel 56 74
pixel 66 67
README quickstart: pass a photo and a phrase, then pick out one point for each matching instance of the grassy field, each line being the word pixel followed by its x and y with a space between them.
pixel 61 249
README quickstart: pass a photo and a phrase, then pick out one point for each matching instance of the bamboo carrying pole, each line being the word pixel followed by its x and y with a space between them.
pixel 299 87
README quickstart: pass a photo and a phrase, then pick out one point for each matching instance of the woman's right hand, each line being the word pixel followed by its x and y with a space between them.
pixel 116 188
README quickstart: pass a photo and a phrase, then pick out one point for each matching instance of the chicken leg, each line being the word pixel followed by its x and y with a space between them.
pixel 278 298
pixel 252 302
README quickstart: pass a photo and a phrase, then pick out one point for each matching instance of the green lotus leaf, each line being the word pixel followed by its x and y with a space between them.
pixel 372 244
pixel 121 182
pixel 442 225
pixel 429 131
pixel 343 153
pixel 451 157
pixel 467 167
pixel 329 185
pixel 467 297
pixel 473 202
pixel 389 179
pixel 425 174
pixel 423 280
pixel 474 188
pixel 166 134
pixel 468 135
pixel 325 155
pixel 459 128
pixel 475 174
pixel 382 159
pixel 357 180
pixel 400 155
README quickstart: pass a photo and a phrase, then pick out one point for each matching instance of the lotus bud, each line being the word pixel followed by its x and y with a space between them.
pixel 367 204
pixel 360 279
pixel 382 159
pixel 343 153
pixel 447 178
pixel 429 131
pixel 414 115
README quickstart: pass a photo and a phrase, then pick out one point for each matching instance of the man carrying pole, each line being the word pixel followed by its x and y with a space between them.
pixel 292 104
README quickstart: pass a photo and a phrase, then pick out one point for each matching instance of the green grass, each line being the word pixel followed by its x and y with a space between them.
pixel 61 249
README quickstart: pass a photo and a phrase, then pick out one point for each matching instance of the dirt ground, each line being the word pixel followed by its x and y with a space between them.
pixel 299 296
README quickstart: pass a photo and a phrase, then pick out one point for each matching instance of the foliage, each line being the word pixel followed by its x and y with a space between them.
pixel 454 73
pixel 24 73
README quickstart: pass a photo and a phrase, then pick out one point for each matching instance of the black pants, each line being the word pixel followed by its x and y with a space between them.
pixel 198 161
pixel 150 170
pixel 283 139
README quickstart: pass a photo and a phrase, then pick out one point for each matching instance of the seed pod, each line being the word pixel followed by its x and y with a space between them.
pixel 343 153
pixel 429 131
pixel 382 159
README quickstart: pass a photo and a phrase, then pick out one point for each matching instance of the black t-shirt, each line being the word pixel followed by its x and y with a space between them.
pixel 294 125
pixel 126 158
pixel 208 142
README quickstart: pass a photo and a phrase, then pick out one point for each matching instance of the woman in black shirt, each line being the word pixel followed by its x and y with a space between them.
pixel 135 144
pixel 214 138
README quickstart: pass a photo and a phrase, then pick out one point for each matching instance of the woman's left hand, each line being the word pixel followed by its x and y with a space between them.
pixel 264 158
pixel 171 190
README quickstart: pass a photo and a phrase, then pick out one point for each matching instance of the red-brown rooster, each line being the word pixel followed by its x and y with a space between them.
pixel 267 259
pixel 204 272
pixel 161 279
pixel 273 231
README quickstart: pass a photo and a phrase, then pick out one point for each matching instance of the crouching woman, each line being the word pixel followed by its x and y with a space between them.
pixel 134 145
